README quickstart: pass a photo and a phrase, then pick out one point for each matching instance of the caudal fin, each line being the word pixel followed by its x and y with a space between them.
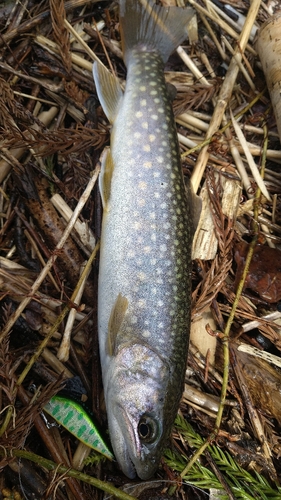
pixel 152 27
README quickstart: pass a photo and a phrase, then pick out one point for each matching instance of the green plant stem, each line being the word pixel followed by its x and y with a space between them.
pixel 58 321
pixel 225 340
pixel 45 341
pixel 62 469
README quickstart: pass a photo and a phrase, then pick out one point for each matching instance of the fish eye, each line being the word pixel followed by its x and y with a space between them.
pixel 147 429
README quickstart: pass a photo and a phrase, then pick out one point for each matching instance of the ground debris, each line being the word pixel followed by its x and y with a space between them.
pixel 52 133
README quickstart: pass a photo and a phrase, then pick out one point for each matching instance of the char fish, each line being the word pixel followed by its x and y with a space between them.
pixel 147 232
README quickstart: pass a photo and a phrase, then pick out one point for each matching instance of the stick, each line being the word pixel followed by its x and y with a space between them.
pixel 269 49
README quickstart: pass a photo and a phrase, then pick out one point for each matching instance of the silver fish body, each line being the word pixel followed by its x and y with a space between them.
pixel 145 257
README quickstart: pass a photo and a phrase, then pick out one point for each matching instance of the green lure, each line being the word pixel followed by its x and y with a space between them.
pixel 74 418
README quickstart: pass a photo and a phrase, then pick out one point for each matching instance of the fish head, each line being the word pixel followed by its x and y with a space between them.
pixel 139 414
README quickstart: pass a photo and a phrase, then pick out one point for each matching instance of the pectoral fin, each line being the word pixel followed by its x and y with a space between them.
pixel 172 91
pixel 116 319
pixel 108 89
pixel 105 177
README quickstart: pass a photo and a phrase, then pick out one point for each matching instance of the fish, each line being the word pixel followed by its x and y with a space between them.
pixel 149 218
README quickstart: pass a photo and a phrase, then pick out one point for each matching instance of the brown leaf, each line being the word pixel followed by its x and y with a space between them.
pixel 60 32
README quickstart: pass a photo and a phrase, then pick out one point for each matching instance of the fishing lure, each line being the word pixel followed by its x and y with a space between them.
pixel 76 420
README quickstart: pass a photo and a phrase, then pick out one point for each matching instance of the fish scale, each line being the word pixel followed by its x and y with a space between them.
pixel 145 256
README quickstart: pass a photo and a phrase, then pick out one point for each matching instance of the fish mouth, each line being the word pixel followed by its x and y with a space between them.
pixel 133 458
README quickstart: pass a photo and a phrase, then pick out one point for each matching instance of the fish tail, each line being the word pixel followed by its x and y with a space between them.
pixel 149 27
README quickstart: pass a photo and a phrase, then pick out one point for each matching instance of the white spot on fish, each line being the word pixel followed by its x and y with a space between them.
pixel 156 174
pixel 142 185
pixel 134 319
pixel 164 143
pixel 163 248
pixel 141 303
pixel 141 202
pixel 154 117
pixel 137 135
pixel 147 249
pixel 143 102
pixel 152 215
pixel 152 137
pixel 156 100
pixel 147 164
pixel 160 110
pixel 156 195
pixel 152 83
pixel 160 159
pixel 139 114
pixel 144 125
pixel 160 303
pixel 163 205
pixel 165 126
pixel 153 92
pixel 146 334
pixel 146 148
pixel 153 237
pixel 143 88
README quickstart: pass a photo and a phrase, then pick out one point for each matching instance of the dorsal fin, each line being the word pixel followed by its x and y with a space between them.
pixel 108 89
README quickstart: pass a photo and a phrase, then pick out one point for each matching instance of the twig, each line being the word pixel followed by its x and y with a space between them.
pixel 62 469
pixel 225 92
pixel 53 258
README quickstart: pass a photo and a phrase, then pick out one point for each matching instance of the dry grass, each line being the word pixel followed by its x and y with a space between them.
pixel 52 133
